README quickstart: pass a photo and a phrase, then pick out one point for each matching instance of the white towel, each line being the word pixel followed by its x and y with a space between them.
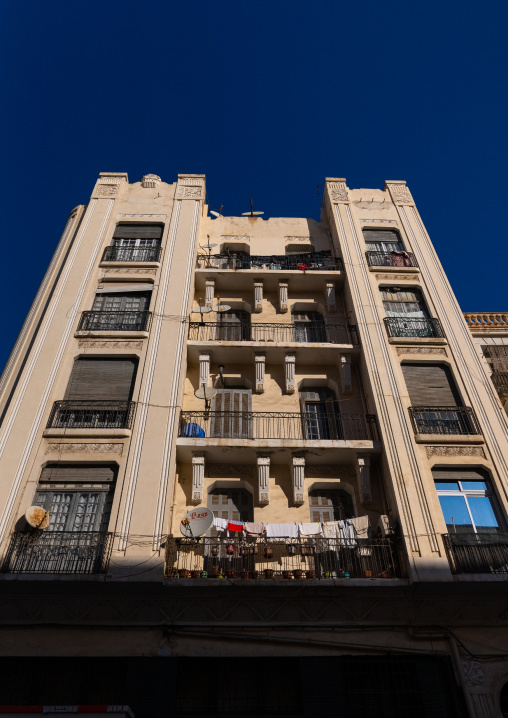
pixel 281 531
pixel 330 529
pixel 309 529
pixel 219 524
pixel 347 533
pixel 361 525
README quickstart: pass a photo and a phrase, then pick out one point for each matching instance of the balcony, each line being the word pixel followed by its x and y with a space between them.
pixel 83 414
pixel 487 321
pixel 391 259
pixel 500 381
pixel 477 552
pixel 60 552
pixel 261 559
pixel 322 262
pixel 115 321
pixel 131 254
pixel 443 421
pixel 411 328
pixel 313 332
pixel 278 425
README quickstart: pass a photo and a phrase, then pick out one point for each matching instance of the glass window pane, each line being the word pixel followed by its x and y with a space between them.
pixel 456 514
pixel 474 485
pixel 483 513
pixel 447 485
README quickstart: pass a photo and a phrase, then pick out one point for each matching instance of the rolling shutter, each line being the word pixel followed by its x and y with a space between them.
pixel 455 474
pixel 430 385
pixel 102 379
pixel 138 231
pixel 379 237
pixel 90 473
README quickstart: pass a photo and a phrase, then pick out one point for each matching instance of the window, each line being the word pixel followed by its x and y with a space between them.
pixel 96 378
pixel 330 505
pixel 309 327
pixel 231 504
pixel 382 240
pixel 406 303
pixel 320 413
pixel 467 501
pixel 231 413
pixel 234 326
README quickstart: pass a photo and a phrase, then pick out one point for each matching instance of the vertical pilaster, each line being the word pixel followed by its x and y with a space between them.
pixel 263 464
pixel 258 296
pixel 298 476
pixel 345 373
pixel 330 297
pixel 363 476
pixel 283 297
pixel 204 369
pixel 260 361
pixel 209 292
pixel 198 477
pixel 289 371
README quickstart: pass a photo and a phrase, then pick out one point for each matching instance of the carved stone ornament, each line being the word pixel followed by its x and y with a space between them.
pixel 108 186
pixel 223 471
pixel 85 448
pixel 473 673
pixel 235 238
pixel 189 192
pixel 150 181
pixel 455 451
pixel 127 270
pixel 297 238
pixel 421 350
pixel 407 277
pixel 123 215
pixel 113 344
pixel 400 193
pixel 188 181
pixel 338 191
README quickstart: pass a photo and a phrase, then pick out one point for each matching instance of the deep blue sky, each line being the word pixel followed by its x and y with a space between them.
pixel 266 98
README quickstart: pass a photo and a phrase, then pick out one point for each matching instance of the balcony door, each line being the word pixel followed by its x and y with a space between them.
pixel 230 504
pixel 309 327
pixel 231 413
pixel 120 310
pixel 407 309
pixel 320 414
pixel 234 326
pixel 134 242
pixel 382 241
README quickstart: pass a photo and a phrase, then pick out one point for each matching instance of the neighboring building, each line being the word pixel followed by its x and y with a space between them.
pixel 341 384
pixel 490 330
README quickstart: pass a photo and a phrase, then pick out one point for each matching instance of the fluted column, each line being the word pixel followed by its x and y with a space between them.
pixel 258 296
pixel 289 367
pixel 330 296
pixel 298 476
pixel 363 475
pixel 345 373
pixel 263 464
pixel 260 361
pixel 204 369
pixel 209 292
pixel 198 477
pixel 283 297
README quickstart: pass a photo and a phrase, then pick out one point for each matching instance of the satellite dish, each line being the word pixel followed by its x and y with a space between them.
pixel 209 246
pixel 251 213
pixel 196 522
pixel 219 213
pixel 37 517
pixel 202 310
pixel 222 308
pixel 205 392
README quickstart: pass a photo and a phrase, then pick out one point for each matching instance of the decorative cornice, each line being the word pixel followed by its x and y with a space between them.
pixel 421 350
pixel 399 192
pixel 235 237
pixel 128 270
pixel 113 344
pixel 410 277
pixel 297 238
pixel 108 185
pixel 338 191
pixel 141 216
pixel 84 448
pixel 455 451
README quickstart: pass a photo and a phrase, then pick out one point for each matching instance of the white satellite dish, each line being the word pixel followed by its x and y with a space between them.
pixel 205 392
pixel 251 213
pixel 208 246
pixel 221 308
pixel 37 517
pixel 196 522
pixel 219 213
pixel 202 310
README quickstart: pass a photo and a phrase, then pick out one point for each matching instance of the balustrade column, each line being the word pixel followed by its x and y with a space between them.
pixel 363 475
pixel 289 367
pixel 260 361
pixel 258 296
pixel 345 373
pixel 198 477
pixel 204 369
pixel 209 292
pixel 283 297
pixel 330 296
pixel 298 476
pixel 263 464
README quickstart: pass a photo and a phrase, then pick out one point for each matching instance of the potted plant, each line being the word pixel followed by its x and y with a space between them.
pixel 220 575
pixel 268 572
pixel 310 574
pixel 327 574
pixel 268 552
pixel 172 573
pixel 286 574
pixel 194 573
pixel 298 573
pixel 183 573
pixel 204 574
pixel 230 573
pixel 245 573
pixel 230 549
pixel 291 549
pixel 344 574
pixel 254 574
pixel 367 574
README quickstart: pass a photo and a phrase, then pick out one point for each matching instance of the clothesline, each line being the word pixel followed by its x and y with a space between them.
pixel 347 530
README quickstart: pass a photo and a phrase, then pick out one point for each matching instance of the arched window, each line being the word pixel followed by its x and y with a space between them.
pixel 330 505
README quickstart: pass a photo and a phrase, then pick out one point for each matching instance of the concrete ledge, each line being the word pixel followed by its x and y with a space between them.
pixel 280 582
pixel 269 343
pixel 95 433
pixel 112 334
pixel 139 265
pixel 449 439
pixel 404 270
pixel 358 445
pixel 417 340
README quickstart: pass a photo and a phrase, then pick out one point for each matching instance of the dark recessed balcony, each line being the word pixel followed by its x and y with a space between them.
pixel 82 414
pixel 409 328
pixel 131 254
pixel 115 321
pixel 444 420
pixel 391 259
pixel 306 426
pixel 284 333
pixel 303 262
pixel 261 559
pixel 63 552
pixel 477 552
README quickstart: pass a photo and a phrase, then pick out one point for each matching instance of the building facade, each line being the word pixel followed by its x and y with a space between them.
pixel 313 380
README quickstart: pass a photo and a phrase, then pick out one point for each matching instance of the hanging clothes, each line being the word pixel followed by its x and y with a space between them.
pixel 330 529
pixel 236 526
pixel 220 524
pixel 309 529
pixel 281 531
pixel 254 529
pixel 347 533
pixel 361 526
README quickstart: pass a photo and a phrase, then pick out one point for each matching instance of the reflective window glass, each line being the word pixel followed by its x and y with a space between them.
pixel 456 514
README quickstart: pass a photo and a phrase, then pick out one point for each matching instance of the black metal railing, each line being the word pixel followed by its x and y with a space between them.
pixel 444 420
pixel 82 414
pixel 500 379
pixel 283 333
pixel 307 426
pixel 131 254
pixel 75 552
pixel 301 262
pixel 477 553
pixel 402 327
pixel 259 558
pixel 391 259
pixel 115 321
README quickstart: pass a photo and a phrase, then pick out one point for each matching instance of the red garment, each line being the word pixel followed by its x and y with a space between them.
pixel 235 527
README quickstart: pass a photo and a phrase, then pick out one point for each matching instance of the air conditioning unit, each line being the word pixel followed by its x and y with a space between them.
pixel 384 526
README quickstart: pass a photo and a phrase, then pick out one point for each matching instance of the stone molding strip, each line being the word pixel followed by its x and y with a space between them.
pixel 84 448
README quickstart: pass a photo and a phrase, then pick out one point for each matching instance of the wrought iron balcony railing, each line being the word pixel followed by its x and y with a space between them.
pixel 302 262
pixel 477 553
pixel 500 380
pixel 391 259
pixel 115 321
pixel 283 333
pixel 131 254
pixel 258 558
pixel 444 420
pixel 82 414
pixel 74 552
pixel 306 426
pixel 401 327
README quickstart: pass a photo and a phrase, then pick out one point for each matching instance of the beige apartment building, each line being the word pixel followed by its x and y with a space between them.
pixel 311 383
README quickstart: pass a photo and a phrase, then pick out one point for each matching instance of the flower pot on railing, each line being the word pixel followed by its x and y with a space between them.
pixel 367 574
pixel 183 573
pixel 230 549
pixel 230 573
pixel 327 574
pixel 172 573
pixel 204 574
pixel 254 574
pixel 287 574
pixel 268 552
pixel 245 574
pixel 344 574
pixel 268 572
pixel 298 573
pixel 194 574
pixel 291 549
pixel 310 574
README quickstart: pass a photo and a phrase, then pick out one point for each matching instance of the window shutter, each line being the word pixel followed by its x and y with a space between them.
pixel 138 231
pixel 65 474
pixel 430 385
pixel 456 474
pixel 384 236
pixel 101 379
